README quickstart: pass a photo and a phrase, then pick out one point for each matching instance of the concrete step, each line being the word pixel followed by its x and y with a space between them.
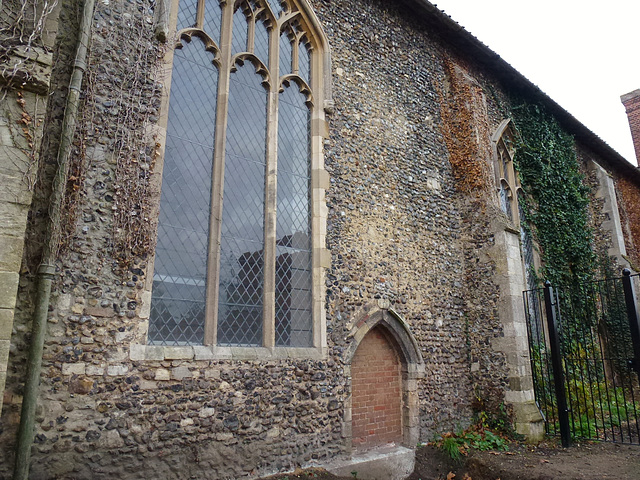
pixel 387 462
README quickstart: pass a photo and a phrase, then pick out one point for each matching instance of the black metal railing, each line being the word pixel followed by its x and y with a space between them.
pixel 584 345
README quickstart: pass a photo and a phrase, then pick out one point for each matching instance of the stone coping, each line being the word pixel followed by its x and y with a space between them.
pixel 630 96
pixel 140 352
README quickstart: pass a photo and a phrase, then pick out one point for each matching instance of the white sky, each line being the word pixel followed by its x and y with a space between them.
pixel 581 53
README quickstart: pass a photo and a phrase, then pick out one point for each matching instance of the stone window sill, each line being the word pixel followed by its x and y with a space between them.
pixel 143 353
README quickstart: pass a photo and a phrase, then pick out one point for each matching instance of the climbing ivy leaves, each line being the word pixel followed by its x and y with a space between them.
pixel 556 198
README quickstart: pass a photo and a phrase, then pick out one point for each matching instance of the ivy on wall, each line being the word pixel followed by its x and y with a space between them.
pixel 556 198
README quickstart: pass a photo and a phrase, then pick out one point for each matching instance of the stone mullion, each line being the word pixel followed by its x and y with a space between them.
pixel 271 192
pixel 217 188
pixel 251 33
pixel 295 48
pixel 200 14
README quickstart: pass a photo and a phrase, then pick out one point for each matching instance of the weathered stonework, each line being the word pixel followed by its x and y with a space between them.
pixel 611 217
pixel 25 70
pixel 406 250
pixel 17 143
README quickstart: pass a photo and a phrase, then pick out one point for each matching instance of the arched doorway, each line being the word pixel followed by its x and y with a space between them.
pixel 376 392
pixel 385 364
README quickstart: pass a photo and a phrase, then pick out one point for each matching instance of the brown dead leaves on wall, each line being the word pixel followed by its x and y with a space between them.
pixel 629 200
pixel 466 131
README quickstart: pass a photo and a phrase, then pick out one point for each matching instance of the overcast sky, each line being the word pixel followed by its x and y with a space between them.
pixel 582 53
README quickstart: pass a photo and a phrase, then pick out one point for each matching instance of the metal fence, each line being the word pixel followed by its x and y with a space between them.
pixel 584 344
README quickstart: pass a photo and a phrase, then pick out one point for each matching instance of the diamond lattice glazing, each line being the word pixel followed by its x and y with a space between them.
pixel 293 232
pixel 187 14
pixel 276 7
pixel 212 19
pixel 285 54
pixel 242 240
pixel 180 270
pixel 304 62
pixel 261 42
pixel 239 32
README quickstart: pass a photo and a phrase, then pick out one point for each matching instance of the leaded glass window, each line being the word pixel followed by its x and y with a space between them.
pixel 180 271
pixel 276 7
pixel 212 20
pixel 241 274
pixel 527 245
pixel 240 30
pixel 234 263
pixel 261 48
pixel 304 62
pixel 285 53
pixel 293 227
pixel 507 179
pixel 187 14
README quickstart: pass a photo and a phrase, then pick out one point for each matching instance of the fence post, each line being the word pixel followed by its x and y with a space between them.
pixel 632 315
pixel 556 364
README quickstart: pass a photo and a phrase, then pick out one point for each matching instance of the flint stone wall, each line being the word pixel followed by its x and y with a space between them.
pixel 397 230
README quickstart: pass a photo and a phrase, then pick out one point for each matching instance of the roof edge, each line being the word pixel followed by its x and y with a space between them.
pixel 470 46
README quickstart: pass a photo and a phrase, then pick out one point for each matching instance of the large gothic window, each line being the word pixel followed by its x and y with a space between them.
pixel 234 263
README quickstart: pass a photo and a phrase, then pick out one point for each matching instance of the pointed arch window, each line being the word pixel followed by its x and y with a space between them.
pixel 507 179
pixel 239 221
pixel 511 195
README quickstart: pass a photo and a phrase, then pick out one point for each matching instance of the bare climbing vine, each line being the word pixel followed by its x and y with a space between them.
pixel 22 24
pixel 116 136
pixel 29 124
pixel 136 150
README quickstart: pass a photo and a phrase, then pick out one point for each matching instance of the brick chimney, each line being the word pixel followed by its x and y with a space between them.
pixel 631 102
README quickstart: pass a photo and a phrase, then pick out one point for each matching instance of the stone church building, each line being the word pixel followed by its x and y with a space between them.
pixel 244 236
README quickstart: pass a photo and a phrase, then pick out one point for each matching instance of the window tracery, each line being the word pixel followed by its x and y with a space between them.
pixel 508 183
pixel 235 259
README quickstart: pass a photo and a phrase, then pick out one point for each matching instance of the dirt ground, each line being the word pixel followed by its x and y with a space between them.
pixel 546 461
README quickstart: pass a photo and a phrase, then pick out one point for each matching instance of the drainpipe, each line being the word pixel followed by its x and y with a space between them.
pixel 46 270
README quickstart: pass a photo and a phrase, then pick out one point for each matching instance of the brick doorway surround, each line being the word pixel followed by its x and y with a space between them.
pixel 384 364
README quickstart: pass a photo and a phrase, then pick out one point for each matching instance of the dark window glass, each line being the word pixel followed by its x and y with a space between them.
pixel 180 271
pixel 187 14
pixel 505 199
pixel 213 19
pixel 240 31
pixel 504 158
pixel 293 223
pixel 304 62
pixel 527 245
pixel 261 48
pixel 276 8
pixel 242 241
pixel 285 54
